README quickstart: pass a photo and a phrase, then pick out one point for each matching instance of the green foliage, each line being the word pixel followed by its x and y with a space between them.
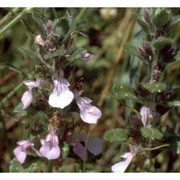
pixel 116 135
pixel 174 103
pixel 160 18
pixel 77 54
pixel 65 150
pixel 123 91
pixel 61 26
pixel 162 42
pixel 55 54
pixel 151 133
pixel 155 87
pixel 32 166
pixel 40 19
pixel 19 109
pixel 131 50
pixel 174 142
pixel 143 24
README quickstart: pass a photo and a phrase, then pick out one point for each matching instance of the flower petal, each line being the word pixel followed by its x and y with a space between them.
pixel 49 151
pixel 88 113
pixel 27 99
pixel 121 166
pixel 94 145
pixel 144 114
pixel 20 154
pixel 79 150
pixel 31 84
pixel 61 96
pixel 50 148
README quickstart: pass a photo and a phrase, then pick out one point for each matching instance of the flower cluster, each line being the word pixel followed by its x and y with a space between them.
pixel 55 91
pixel 49 149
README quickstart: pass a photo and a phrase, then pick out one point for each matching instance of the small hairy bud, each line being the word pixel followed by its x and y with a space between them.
pixel 39 40
pixel 147 48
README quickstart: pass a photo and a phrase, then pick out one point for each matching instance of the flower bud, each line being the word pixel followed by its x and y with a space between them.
pixel 168 52
pixel 147 48
pixel 87 56
pixel 141 91
pixel 48 27
pixel 39 40
pixel 143 53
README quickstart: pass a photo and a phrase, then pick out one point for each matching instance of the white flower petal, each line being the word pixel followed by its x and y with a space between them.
pixel 27 99
pixel 21 151
pixel 50 148
pixel 122 165
pixel 88 113
pixel 20 154
pixel 61 96
pixel 144 114
pixel 30 84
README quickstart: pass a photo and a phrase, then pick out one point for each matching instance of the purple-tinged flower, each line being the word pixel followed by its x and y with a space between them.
pixel 27 97
pixel 144 111
pixel 61 95
pixel 121 166
pixel 87 56
pixel 50 146
pixel 88 113
pixel 80 151
pixel 91 144
pixel 21 151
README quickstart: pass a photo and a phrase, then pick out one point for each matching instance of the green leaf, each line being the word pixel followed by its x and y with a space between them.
pixel 160 18
pixel 61 26
pixel 155 87
pixel 41 117
pixel 116 135
pixel 174 142
pixel 174 103
pixel 131 50
pixel 19 109
pixel 28 53
pixel 143 25
pixel 123 91
pixel 162 42
pixel 40 20
pixel 151 133
pixel 65 150
pixel 57 53
pixel 15 166
pixel 34 165
pixel 77 54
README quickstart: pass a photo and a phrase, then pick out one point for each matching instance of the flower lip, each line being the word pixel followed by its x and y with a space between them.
pixel 61 95
pixel 144 111
pixel 88 113
pixel 50 146
pixel 128 156
pixel 21 151
pixel 27 98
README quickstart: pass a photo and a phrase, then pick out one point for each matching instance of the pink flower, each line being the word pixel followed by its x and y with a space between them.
pixel 87 56
pixel 21 151
pixel 88 113
pixel 61 95
pixel 144 114
pixel 50 146
pixel 27 97
pixel 128 156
